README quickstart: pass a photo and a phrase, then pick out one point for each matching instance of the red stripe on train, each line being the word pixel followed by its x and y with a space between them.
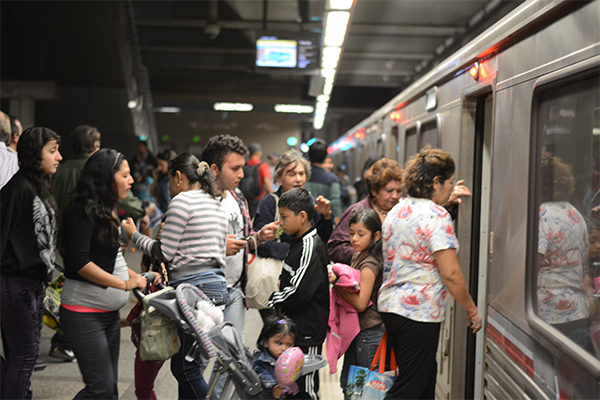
pixel 511 349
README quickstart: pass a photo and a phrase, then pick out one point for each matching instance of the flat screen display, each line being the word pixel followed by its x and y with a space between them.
pixel 295 52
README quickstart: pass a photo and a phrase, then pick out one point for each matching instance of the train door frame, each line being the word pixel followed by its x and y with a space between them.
pixel 408 131
pixel 476 149
pixel 438 119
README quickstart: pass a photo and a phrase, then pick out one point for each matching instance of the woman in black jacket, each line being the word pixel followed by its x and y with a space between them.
pixel 27 248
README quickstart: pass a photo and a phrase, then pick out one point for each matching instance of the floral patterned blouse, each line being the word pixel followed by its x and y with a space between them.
pixel 562 244
pixel 412 287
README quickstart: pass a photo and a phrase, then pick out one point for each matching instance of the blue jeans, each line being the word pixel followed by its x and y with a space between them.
pixel 235 312
pixel 22 312
pixel 95 339
pixel 361 351
pixel 191 383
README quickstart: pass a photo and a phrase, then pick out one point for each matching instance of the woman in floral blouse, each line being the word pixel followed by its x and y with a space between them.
pixel 420 269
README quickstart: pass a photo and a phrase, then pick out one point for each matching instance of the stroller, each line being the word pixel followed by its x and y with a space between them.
pixel 223 343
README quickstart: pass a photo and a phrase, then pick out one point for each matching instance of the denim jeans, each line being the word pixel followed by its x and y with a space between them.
pixel 191 383
pixel 235 312
pixel 95 339
pixel 22 310
pixel 361 351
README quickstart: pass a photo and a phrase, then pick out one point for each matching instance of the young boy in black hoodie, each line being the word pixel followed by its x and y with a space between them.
pixel 304 287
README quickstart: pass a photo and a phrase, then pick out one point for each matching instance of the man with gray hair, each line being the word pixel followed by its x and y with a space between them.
pixel 9 163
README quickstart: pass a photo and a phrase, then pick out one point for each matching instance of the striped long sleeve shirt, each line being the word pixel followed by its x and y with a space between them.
pixel 195 231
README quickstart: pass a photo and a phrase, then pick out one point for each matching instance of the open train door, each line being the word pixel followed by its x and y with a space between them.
pixel 465 350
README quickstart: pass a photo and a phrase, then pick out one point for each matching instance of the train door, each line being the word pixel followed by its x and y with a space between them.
pixel 462 351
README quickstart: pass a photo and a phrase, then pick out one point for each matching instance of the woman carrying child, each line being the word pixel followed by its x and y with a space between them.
pixel 365 238
pixel 277 335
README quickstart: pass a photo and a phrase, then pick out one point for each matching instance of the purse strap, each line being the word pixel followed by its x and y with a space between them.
pixel 380 356
pixel 276 218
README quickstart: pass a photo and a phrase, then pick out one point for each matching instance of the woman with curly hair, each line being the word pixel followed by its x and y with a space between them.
pixel 97 277
pixel 420 269
pixel 384 184
pixel 27 248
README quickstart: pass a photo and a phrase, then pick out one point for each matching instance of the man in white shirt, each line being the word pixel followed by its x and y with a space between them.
pixel 225 155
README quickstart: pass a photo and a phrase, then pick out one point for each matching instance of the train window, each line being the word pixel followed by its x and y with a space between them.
pixel 429 135
pixel 411 143
pixel 566 205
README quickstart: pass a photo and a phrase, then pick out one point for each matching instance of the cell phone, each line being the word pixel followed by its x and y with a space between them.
pixel 246 238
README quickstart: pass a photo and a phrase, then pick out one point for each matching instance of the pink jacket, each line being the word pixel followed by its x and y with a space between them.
pixel 343 318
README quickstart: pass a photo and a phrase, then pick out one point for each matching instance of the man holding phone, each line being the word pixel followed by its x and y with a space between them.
pixel 225 155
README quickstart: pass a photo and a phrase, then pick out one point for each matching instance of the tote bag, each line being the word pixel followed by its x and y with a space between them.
pixel 158 339
pixel 368 384
pixel 263 275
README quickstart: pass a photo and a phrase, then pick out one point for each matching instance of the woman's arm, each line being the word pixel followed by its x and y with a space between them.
pixel 447 263
pixel 94 273
pixel 360 300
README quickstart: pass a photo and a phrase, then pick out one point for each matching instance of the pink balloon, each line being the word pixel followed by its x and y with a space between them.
pixel 289 365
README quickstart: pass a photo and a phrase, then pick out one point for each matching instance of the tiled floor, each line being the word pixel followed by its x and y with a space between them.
pixel 62 380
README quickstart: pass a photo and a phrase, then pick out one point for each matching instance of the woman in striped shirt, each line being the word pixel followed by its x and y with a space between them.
pixel 193 242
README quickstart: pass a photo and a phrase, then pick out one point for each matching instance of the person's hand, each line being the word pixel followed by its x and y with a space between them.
pixel 137 281
pixel 332 277
pixel 145 226
pixel 156 174
pixel 474 322
pixel 323 206
pixel 129 227
pixel 268 232
pixel 125 323
pixel 277 391
pixel 234 245
pixel 459 190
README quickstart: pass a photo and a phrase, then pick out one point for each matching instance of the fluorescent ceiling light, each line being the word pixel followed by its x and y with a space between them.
pixel 319 120
pixel 331 56
pixel 328 73
pixel 339 4
pixel 233 107
pixel 294 108
pixel 172 110
pixel 335 28
pixel 328 86
pixel 323 97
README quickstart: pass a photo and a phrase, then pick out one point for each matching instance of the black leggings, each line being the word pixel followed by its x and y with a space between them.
pixel 415 346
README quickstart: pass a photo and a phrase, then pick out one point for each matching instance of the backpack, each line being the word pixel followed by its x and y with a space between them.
pixel 250 183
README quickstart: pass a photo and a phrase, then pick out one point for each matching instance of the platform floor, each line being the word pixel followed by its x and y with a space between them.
pixel 61 380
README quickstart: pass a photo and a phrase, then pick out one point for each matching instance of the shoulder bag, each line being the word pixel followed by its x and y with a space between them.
pixel 263 275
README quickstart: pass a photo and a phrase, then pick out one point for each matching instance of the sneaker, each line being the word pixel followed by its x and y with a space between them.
pixel 64 354
pixel 39 366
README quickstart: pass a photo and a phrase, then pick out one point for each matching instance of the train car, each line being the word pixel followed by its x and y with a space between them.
pixel 518 108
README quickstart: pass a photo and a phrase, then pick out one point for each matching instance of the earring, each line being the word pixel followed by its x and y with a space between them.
pixel 178 183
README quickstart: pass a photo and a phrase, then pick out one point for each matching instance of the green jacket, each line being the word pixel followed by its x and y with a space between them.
pixel 66 177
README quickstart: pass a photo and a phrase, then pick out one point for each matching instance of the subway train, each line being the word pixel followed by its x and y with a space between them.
pixel 518 108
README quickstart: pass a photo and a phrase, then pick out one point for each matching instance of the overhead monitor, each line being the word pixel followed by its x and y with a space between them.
pixel 291 52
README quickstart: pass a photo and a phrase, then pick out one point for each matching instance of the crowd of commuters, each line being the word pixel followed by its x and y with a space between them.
pixel 85 208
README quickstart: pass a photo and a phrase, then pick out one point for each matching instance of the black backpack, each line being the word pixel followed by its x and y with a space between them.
pixel 250 183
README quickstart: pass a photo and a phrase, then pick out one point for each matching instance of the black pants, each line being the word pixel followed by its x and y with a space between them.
pixel 308 385
pixel 95 339
pixel 415 346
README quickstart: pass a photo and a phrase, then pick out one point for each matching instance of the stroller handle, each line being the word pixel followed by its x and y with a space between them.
pixel 150 277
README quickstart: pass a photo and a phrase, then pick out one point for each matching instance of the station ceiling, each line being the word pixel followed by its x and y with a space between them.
pixel 200 52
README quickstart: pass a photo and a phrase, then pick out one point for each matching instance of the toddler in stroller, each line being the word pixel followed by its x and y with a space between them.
pixel 223 343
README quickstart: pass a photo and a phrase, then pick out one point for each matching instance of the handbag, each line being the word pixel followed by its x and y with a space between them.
pixel 263 276
pixel 158 339
pixel 366 383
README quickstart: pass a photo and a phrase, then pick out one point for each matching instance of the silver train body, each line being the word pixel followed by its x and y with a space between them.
pixel 527 85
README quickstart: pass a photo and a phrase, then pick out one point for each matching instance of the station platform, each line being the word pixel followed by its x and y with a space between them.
pixel 62 380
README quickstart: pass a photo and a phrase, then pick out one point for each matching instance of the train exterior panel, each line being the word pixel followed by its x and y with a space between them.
pixel 536 98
